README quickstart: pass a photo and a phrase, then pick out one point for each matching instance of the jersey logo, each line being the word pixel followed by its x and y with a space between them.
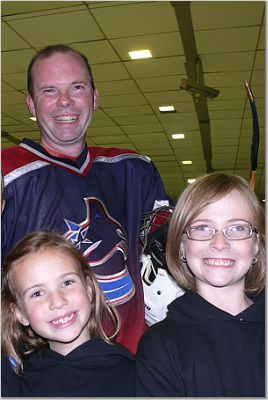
pixel 106 256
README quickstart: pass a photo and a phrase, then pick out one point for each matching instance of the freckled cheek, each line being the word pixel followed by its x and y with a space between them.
pixel 83 296
pixel 36 314
pixel 246 249
pixel 84 302
pixel 195 249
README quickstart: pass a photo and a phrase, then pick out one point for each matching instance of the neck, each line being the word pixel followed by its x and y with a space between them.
pixel 72 151
pixel 65 348
pixel 228 299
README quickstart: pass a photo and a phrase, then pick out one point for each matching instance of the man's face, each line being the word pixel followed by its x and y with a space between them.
pixel 63 101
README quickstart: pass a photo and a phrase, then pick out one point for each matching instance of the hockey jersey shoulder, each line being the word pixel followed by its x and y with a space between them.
pixel 28 156
pixel 113 154
pixel 15 157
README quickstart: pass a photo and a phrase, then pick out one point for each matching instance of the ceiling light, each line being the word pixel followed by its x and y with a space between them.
pixel 33 118
pixel 135 55
pixel 191 180
pixel 177 136
pixel 167 109
pixel 187 162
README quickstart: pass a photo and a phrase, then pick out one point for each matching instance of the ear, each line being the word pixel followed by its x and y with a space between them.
pixel 182 249
pixel 95 99
pixel 20 317
pixel 30 105
pixel 256 246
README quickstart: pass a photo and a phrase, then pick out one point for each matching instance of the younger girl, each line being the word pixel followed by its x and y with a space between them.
pixel 53 313
pixel 212 342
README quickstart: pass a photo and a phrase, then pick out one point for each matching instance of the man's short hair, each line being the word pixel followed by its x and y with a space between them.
pixel 48 51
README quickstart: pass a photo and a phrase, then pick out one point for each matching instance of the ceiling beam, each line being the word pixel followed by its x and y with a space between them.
pixel 185 24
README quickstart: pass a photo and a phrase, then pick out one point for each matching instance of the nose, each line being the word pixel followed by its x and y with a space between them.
pixel 219 241
pixel 57 300
pixel 64 99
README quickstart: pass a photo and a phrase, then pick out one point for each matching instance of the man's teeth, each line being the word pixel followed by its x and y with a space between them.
pixel 219 262
pixel 66 118
pixel 63 320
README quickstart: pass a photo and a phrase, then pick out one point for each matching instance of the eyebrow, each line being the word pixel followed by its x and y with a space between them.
pixel 228 221
pixel 72 83
pixel 80 81
pixel 38 285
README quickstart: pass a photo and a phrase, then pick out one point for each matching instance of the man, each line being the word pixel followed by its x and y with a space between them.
pixel 93 196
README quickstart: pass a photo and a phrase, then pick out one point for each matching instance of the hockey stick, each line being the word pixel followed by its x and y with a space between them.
pixel 255 136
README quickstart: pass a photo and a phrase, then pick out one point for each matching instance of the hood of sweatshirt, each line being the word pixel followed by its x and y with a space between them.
pixel 192 308
pixel 89 354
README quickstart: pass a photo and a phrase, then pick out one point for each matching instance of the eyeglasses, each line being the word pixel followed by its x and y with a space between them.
pixel 232 232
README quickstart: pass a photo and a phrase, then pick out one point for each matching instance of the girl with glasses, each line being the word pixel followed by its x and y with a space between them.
pixel 212 342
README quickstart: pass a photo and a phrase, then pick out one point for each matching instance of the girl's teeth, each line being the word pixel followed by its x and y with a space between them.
pixel 63 320
pixel 219 262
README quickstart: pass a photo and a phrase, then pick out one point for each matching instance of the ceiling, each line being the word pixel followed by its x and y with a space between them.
pixel 228 39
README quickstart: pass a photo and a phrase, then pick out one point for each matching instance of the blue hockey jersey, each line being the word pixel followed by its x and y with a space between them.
pixel 96 201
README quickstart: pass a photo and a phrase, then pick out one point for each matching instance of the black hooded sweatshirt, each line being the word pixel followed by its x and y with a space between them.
pixel 94 369
pixel 199 350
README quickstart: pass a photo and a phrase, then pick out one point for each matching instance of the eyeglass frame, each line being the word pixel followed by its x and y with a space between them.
pixel 252 230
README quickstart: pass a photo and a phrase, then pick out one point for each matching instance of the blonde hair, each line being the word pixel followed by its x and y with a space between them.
pixel 198 195
pixel 19 341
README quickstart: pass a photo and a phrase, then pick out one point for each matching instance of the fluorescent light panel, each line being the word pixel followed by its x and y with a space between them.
pixel 191 180
pixel 166 108
pixel 176 136
pixel 137 54
pixel 187 162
